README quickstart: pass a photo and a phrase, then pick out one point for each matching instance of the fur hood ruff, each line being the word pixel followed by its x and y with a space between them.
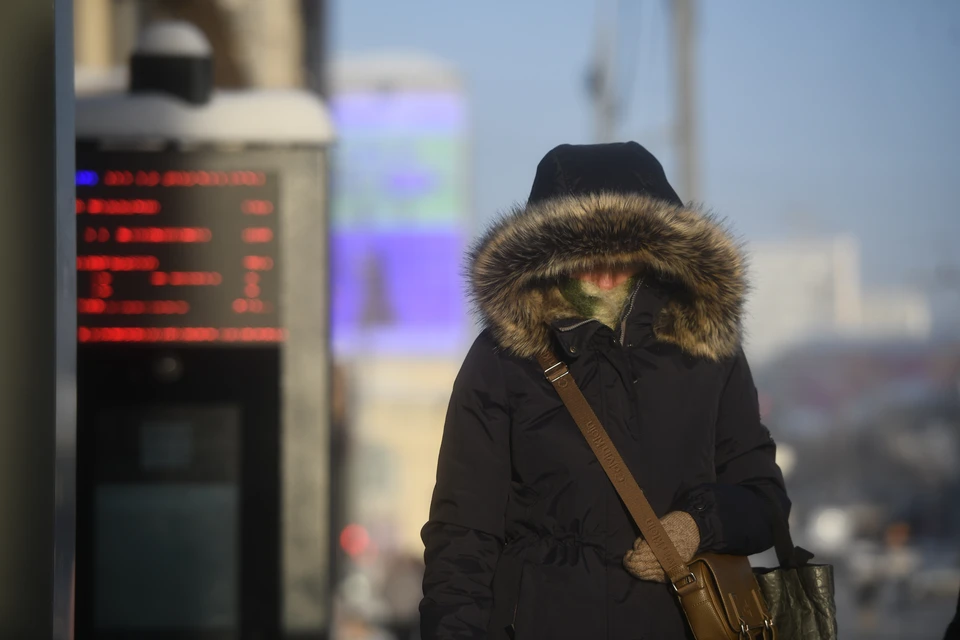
pixel 515 267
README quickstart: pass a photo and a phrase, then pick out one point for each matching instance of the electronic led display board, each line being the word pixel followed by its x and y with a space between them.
pixel 171 251
pixel 203 395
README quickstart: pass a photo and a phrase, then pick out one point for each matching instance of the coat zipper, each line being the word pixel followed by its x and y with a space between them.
pixel 579 324
pixel 512 628
pixel 623 322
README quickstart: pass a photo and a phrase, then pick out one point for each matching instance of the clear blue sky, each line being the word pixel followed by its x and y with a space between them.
pixel 847 113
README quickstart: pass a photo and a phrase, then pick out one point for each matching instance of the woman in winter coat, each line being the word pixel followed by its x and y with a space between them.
pixel 642 298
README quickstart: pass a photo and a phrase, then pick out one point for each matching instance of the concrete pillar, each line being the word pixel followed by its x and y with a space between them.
pixel 37 319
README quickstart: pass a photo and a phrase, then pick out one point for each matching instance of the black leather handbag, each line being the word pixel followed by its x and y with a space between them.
pixel 798 595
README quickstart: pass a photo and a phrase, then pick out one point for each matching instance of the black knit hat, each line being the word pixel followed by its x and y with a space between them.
pixel 622 167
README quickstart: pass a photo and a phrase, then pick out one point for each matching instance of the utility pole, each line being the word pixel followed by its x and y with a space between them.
pixel 602 79
pixel 684 25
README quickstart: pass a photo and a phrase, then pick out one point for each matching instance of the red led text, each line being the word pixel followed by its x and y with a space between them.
pixel 117 263
pixel 132 307
pixel 178 334
pixel 162 234
pixel 213 179
pixel 185 278
pixel 258 263
pixel 119 207
pixel 257 207
pixel 255 235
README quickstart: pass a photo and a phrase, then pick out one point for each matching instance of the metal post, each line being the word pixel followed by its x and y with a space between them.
pixel 605 82
pixel 686 121
pixel 315 44
pixel 37 324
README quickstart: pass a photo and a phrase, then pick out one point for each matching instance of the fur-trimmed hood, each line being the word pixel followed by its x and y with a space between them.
pixel 514 269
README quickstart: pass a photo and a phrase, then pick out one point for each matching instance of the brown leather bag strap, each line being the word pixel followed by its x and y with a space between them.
pixel 623 481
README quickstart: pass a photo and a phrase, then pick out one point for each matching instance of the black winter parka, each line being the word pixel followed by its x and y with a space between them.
pixel 526 535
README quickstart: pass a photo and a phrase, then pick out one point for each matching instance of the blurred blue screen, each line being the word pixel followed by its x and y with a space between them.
pixel 399 210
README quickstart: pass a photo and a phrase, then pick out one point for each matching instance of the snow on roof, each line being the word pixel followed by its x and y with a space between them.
pixel 89 81
pixel 394 71
pixel 174 38
pixel 266 117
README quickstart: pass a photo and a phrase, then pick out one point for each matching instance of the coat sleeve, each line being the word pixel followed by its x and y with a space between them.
pixel 953 631
pixel 464 535
pixel 734 513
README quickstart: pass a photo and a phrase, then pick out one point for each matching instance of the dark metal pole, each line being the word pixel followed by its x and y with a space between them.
pixel 38 319
pixel 684 22
pixel 314 14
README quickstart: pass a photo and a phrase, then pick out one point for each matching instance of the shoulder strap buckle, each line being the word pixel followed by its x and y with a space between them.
pixel 556 371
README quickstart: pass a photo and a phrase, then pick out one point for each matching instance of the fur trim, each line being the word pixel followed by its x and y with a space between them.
pixel 514 268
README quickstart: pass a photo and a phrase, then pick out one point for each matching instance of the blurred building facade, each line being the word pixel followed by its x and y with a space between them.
pixel 401 213
pixel 397 424
pixel 812 289
pixel 258 43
